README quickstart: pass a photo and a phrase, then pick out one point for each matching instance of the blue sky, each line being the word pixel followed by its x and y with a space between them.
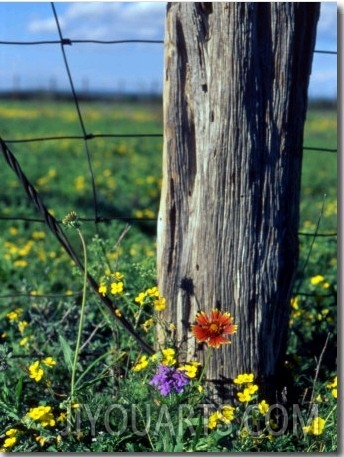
pixel 125 67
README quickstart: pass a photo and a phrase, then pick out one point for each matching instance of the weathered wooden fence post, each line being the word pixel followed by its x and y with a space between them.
pixel 235 98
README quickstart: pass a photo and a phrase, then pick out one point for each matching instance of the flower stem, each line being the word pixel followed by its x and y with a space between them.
pixel 206 362
pixel 82 313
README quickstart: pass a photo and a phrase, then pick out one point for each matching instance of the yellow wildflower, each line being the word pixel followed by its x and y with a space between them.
pixel 169 356
pixel 24 341
pixel 62 417
pixel 317 279
pixel 333 383
pixel 244 396
pixel 154 357
pixel 140 298
pixel 22 326
pixel 142 364
pixel 49 361
pixel 333 386
pixel 316 427
pixel 190 369
pixel 11 432
pixel 117 287
pixel 244 378
pixel 10 442
pixel 227 413
pixel 147 324
pixel 38 235
pixel 118 312
pixel 159 304
pixel 252 388
pixel 263 407
pixel 41 440
pixel 36 372
pixel 102 289
pixel 20 263
pixel 294 303
pixel 14 315
pixel 214 419
pixel 117 275
pixel 42 414
pixel 153 292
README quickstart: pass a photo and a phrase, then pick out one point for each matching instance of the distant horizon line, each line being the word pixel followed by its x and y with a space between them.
pixel 105 93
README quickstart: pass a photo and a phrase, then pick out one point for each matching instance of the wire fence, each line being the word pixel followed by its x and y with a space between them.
pixel 87 137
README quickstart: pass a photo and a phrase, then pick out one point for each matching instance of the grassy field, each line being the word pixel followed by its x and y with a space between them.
pixel 42 297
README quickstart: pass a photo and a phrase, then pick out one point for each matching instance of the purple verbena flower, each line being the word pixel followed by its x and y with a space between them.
pixel 169 380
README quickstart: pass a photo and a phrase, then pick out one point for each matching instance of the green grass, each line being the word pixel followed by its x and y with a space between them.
pixel 38 278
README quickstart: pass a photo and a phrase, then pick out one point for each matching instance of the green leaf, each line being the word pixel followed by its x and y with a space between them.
pixel 18 391
pixel 67 353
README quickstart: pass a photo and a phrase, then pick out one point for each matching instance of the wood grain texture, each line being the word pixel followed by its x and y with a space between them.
pixel 235 97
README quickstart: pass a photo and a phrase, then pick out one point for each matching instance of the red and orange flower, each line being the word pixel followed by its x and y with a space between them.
pixel 211 329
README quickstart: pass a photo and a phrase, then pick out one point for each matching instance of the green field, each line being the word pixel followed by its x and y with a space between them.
pixel 43 290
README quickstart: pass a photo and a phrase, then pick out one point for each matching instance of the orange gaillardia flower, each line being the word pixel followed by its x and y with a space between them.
pixel 211 329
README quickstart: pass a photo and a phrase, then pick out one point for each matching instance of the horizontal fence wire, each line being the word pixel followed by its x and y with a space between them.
pixel 67 41
pixel 54 224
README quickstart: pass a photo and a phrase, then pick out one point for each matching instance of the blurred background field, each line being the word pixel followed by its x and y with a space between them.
pixel 127 176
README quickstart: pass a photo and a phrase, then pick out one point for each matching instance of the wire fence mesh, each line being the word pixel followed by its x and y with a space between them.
pixel 85 138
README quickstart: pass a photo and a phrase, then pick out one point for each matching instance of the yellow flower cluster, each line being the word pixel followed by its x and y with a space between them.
pixel 190 369
pixel 11 439
pixel 14 315
pixel 19 251
pixel 44 182
pixel 333 386
pixel 244 378
pixel 147 324
pixel 43 415
pixel 36 371
pixel 145 214
pixel 316 427
pixel 319 279
pixel 249 390
pixel 79 183
pixel 141 364
pixel 167 357
pixel 151 295
pixel 112 281
pixel 226 415
pixel 263 407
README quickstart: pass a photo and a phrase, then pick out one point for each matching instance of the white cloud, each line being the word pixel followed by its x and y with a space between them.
pixel 327 25
pixel 44 26
pixel 106 20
